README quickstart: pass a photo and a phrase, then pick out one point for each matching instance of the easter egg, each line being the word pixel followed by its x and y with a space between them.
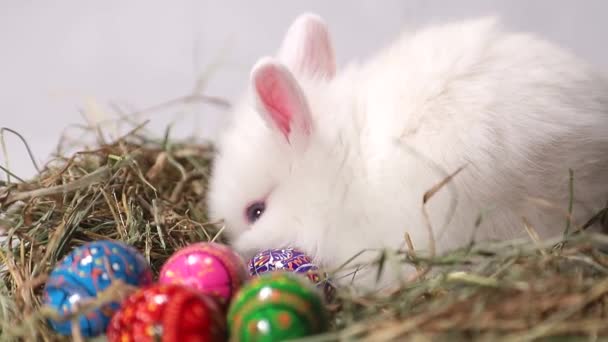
pixel 292 260
pixel 276 306
pixel 85 272
pixel 211 268
pixel 168 312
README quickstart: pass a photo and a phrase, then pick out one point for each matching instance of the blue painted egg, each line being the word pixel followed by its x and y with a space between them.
pixel 86 271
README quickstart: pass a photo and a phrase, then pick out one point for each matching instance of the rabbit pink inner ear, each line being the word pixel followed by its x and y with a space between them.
pixel 307 48
pixel 282 102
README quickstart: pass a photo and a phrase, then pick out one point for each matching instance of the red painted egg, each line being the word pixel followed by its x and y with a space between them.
pixel 168 313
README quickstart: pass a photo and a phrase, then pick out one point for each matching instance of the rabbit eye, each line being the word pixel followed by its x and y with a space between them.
pixel 254 211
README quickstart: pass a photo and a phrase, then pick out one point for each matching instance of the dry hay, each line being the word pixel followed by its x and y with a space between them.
pixel 149 193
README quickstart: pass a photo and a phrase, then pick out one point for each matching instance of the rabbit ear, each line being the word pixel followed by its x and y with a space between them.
pixel 281 101
pixel 307 49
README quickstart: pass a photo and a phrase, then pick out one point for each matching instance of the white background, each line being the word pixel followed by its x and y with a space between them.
pixel 58 56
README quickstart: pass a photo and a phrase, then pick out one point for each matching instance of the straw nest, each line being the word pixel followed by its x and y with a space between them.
pixel 149 193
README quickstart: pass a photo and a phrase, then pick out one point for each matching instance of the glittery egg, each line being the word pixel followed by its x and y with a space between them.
pixel 276 306
pixel 211 268
pixel 168 312
pixel 85 272
pixel 292 260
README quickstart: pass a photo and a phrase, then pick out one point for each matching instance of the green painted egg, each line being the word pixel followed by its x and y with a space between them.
pixel 276 306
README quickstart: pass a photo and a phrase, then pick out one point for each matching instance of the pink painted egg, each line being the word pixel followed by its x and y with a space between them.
pixel 211 268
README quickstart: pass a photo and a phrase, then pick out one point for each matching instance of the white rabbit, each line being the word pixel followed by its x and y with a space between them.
pixel 337 161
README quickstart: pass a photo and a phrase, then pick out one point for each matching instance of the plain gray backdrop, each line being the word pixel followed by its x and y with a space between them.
pixel 59 57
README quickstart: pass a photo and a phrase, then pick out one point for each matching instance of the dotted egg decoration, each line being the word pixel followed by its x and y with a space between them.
pixel 211 268
pixel 168 312
pixel 276 306
pixel 292 260
pixel 85 272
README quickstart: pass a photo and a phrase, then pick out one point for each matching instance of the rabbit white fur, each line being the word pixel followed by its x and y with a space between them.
pixel 342 158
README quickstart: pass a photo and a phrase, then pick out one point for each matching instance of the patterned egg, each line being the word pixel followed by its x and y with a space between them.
pixel 87 271
pixel 211 268
pixel 168 312
pixel 293 260
pixel 274 307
